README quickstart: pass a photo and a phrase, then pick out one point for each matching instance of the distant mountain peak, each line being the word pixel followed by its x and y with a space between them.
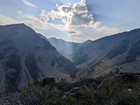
pixel 56 39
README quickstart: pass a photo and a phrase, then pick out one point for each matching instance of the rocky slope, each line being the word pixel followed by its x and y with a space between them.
pixel 119 52
pixel 27 56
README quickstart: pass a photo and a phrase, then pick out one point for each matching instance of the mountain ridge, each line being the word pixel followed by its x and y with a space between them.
pixel 108 53
pixel 26 56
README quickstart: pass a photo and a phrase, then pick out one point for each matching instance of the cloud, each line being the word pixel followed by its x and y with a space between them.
pixel 4 20
pixel 72 14
pixel 29 4
pixel 92 33
pixel 69 21
pixel 37 22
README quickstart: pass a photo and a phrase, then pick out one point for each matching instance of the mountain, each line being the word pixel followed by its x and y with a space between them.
pixel 119 52
pixel 26 56
pixel 65 48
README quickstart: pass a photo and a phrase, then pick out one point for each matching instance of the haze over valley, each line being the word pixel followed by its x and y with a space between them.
pixel 69 52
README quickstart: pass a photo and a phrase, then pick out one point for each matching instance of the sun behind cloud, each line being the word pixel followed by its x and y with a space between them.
pixel 73 20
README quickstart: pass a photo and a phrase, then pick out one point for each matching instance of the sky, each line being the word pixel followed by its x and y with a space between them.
pixel 73 20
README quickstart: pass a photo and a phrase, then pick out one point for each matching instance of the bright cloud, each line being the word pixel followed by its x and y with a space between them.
pixel 29 4
pixel 4 20
pixel 73 21
pixel 72 14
